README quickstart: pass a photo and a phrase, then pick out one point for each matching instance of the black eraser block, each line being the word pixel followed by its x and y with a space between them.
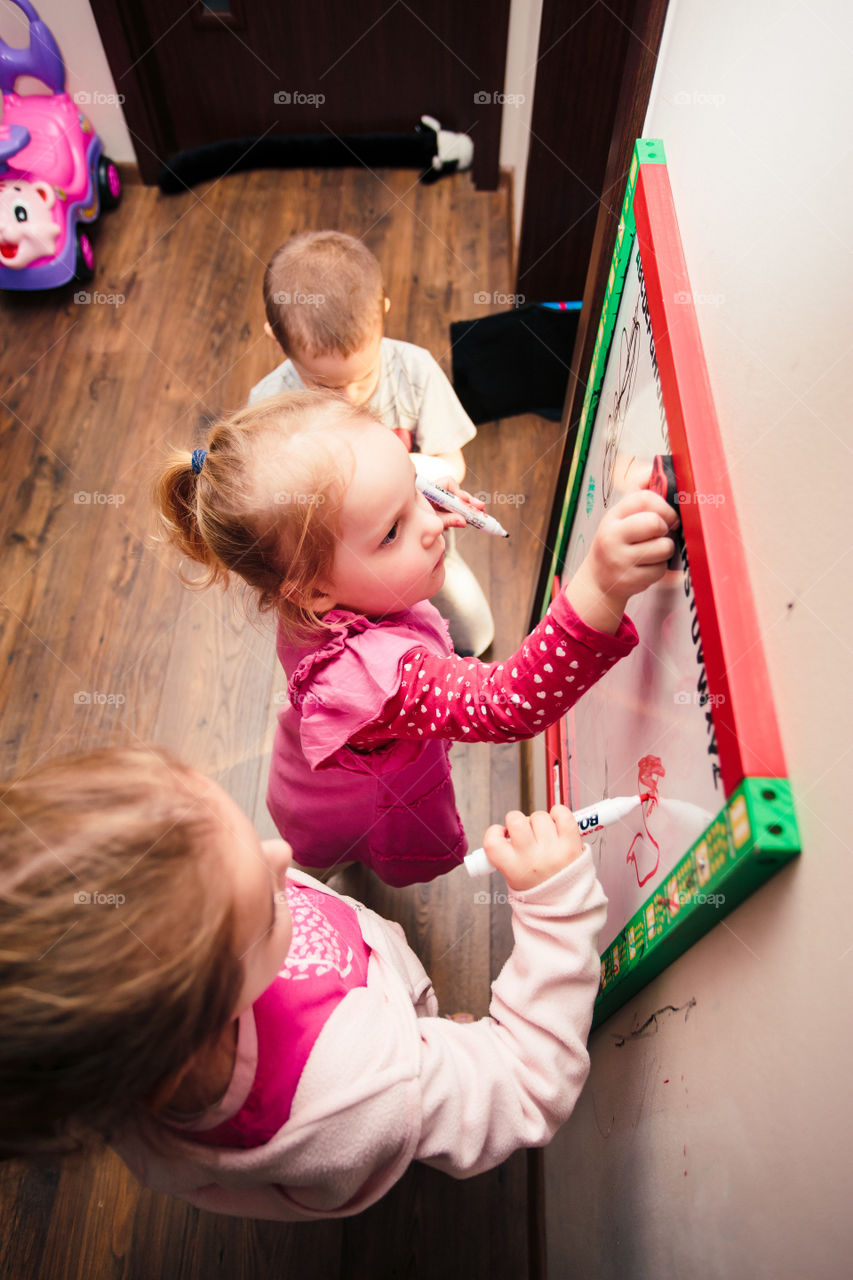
pixel 663 481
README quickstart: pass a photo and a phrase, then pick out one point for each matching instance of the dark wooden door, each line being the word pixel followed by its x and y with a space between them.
pixel 574 257
pixel 592 57
pixel 193 74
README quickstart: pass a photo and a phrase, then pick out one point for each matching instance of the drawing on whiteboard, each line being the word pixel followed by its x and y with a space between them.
pixel 649 770
pixel 629 352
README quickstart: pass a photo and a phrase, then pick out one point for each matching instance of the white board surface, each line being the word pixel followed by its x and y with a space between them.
pixel 646 726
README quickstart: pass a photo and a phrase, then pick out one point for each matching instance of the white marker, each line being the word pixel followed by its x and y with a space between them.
pixel 592 818
pixel 441 498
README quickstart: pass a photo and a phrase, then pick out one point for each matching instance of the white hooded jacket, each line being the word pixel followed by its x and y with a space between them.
pixel 388 1081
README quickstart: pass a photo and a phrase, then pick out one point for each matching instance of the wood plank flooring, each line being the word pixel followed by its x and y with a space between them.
pixel 101 643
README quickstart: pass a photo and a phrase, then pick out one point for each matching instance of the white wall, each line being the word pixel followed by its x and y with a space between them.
pixel 717 1144
pixel 73 26
pixel 525 19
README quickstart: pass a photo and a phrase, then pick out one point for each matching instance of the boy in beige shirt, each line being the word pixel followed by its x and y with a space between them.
pixel 326 304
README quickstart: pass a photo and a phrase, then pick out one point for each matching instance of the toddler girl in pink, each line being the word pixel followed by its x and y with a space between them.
pixel 314 505
pixel 246 1038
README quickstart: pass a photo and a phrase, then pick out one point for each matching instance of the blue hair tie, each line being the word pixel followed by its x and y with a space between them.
pixel 199 456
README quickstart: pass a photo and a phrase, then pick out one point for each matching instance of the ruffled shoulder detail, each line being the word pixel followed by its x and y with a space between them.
pixel 341 625
pixel 342 686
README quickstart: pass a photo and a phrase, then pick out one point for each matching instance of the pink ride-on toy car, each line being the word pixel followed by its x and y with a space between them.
pixel 54 177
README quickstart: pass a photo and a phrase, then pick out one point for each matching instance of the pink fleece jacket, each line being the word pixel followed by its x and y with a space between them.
pixel 388 1081
pixel 360 767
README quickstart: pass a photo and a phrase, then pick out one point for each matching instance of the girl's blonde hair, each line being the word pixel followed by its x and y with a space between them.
pixel 266 502
pixel 116 945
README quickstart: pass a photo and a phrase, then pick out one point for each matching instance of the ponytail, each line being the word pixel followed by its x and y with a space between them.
pixel 175 499
pixel 264 500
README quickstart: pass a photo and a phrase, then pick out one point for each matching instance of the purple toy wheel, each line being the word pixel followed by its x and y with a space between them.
pixel 87 251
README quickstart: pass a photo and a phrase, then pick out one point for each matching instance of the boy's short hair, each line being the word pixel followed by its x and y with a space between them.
pixel 323 294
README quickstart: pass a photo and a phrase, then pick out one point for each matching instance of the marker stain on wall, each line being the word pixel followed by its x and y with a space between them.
pixel 650 1026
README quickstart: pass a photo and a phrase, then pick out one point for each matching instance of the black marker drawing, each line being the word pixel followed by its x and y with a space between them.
pixel 629 354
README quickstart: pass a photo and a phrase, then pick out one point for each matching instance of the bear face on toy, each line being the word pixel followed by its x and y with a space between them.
pixel 27 229
pixel 54 177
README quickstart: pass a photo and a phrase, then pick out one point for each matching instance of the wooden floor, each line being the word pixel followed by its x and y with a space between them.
pixel 101 643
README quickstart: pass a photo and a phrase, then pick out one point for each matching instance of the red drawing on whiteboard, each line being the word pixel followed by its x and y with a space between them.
pixel 649 770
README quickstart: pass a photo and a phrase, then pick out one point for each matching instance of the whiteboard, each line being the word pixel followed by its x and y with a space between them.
pixel 686 721
pixel 645 727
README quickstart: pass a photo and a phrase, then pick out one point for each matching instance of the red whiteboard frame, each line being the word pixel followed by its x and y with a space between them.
pixel 745 720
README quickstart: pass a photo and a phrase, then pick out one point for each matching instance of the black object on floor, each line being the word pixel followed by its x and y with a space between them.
pixel 514 362
pixel 413 150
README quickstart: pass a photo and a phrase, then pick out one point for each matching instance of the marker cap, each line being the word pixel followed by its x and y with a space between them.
pixel 477 864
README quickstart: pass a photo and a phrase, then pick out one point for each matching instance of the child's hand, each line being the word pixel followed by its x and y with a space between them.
pixel 531 850
pixel 452 519
pixel 452 486
pixel 628 553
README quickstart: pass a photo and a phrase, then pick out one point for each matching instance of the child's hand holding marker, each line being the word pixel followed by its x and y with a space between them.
pixel 529 851
pixel 588 820
pixel 458 507
pixel 629 553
